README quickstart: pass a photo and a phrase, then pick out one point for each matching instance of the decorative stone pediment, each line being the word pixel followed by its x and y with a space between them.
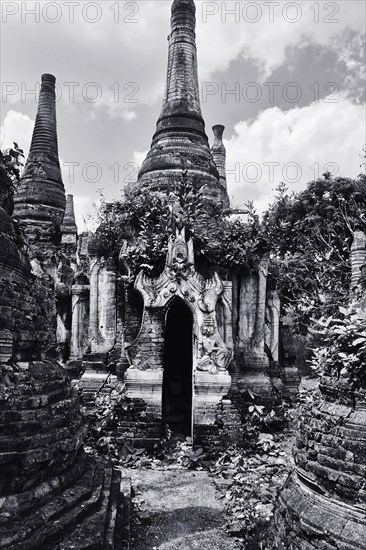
pixel 180 280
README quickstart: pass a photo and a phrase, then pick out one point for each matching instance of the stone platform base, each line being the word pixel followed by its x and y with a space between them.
pixel 91 513
pixel 307 520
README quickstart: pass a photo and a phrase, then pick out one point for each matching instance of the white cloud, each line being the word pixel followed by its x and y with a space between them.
pixel 300 141
pixel 85 212
pixel 223 37
pixel 139 157
pixel 116 110
pixel 16 127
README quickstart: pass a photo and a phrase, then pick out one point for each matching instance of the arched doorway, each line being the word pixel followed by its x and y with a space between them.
pixel 178 359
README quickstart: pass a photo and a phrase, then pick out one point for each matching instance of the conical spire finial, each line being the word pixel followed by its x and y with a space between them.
pixel 69 228
pixel 180 142
pixel 181 103
pixel 40 196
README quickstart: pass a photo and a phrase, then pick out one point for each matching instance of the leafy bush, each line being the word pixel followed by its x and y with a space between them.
pixel 311 233
pixel 342 353
pixel 138 229
pixel 10 166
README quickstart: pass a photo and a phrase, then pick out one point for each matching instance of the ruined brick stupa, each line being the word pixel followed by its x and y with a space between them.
pixel 184 343
pixel 52 495
pixel 180 141
pixel 40 199
pixel 323 504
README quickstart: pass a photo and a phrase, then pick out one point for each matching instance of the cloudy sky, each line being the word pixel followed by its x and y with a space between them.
pixel 285 78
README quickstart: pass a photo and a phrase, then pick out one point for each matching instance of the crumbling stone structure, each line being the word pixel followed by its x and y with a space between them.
pixel 106 324
pixel 323 505
pixel 52 495
pixel 229 327
pixel 46 215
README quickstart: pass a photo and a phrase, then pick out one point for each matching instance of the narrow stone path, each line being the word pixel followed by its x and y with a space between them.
pixel 178 510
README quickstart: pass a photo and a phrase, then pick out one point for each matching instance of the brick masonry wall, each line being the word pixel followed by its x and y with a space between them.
pixel 323 505
pixel 148 348
pixel 41 431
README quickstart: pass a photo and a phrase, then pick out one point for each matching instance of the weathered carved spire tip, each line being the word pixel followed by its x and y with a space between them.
pixel 46 77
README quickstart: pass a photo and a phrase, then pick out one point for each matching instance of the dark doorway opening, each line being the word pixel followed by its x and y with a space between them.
pixel 178 358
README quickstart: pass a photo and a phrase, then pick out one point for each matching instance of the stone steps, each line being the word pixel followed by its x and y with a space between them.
pixel 109 527
pixel 46 522
pixel 93 513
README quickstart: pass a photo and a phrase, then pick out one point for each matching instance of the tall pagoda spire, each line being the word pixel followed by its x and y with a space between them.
pixel 180 142
pixel 40 197
pixel 181 103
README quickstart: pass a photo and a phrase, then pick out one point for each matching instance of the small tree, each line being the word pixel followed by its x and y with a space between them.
pixel 342 352
pixel 10 165
pixel 310 235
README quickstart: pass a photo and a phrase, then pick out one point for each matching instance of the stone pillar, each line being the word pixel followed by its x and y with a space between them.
pixel 102 325
pixel 93 319
pixel 106 308
pixel 358 256
pixel 260 317
pixel 63 321
pixel 273 327
pixel 80 320
pixel 251 342
pixel 224 314
pixel 219 153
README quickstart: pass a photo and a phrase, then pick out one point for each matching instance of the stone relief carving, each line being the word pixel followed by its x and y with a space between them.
pixel 180 279
pixel 180 260
pixel 216 354
pixel 141 365
pixel 35 167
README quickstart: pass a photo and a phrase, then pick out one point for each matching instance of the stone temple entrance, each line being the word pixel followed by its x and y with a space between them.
pixel 179 350
pixel 177 365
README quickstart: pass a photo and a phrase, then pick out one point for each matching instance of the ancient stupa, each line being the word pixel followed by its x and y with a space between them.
pixel 40 199
pixel 108 322
pixel 204 336
pixel 52 495
pixel 323 504
pixel 180 141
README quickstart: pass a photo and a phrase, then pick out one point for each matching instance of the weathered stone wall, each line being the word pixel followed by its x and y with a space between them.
pixel 332 444
pixel 28 312
pixel 137 427
pixel 41 432
pixel 148 348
